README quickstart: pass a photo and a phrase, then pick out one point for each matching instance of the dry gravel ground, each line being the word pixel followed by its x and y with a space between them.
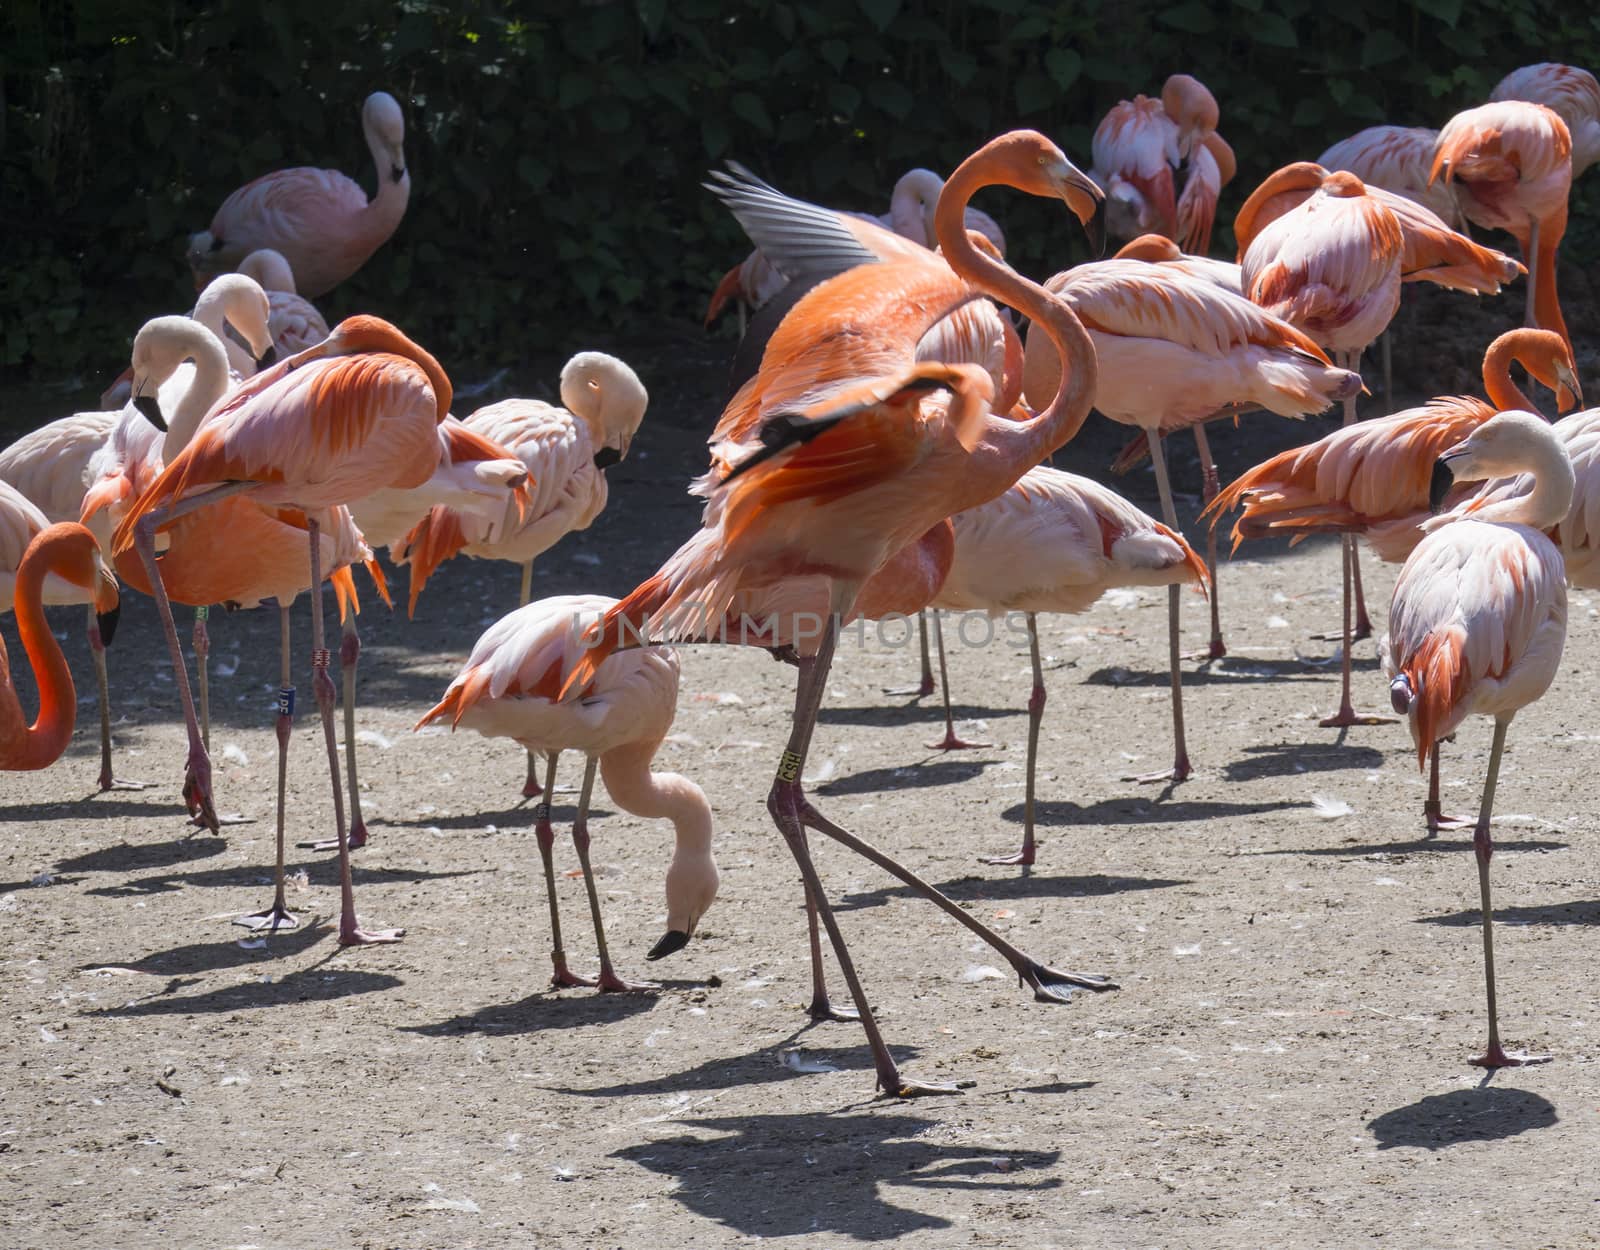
pixel 1284 1064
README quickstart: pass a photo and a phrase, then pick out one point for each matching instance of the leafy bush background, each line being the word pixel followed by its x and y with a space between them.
pixel 557 149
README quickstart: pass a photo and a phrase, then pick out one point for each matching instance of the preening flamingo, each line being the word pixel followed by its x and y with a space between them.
pixel 510 687
pixel 1055 542
pixel 1510 164
pixel 1479 618
pixel 355 414
pixel 566 451
pixel 1396 159
pixel 294 320
pixel 1175 350
pixel 847 465
pixel 1574 95
pixel 320 220
pixel 61 564
pixel 1331 266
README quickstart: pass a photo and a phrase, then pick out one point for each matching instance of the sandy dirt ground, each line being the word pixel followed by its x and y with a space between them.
pixel 1284 1063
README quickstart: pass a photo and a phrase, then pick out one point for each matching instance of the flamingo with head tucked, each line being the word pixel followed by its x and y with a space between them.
pixel 1572 93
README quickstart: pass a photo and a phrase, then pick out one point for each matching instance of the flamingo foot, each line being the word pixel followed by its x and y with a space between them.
pixel 611 983
pixel 1216 650
pixel 823 1008
pixel 197 790
pixel 276 917
pixel 531 789
pixel 564 978
pixel 1022 859
pixel 358 835
pixel 1437 820
pixel 1497 1057
pixel 1051 985
pixel 950 742
pixel 1180 771
pixel 352 934
pixel 905 1087
pixel 920 691
pixel 332 844
pixel 1348 716
pixel 108 782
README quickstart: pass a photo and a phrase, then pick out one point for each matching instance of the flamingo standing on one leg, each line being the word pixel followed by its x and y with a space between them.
pixel 1331 266
pixel 320 220
pixel 1055 542
pixel 849 465
pixel 61 564
pixel 355 414
pixel 1372 478
pixel 509 688
pixel 1479 618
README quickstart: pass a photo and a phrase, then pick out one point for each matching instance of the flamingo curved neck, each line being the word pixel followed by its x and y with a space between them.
pixel 388 203
pixel 44 741
pixel 211 382
pixel 1504 394
pixel 658 796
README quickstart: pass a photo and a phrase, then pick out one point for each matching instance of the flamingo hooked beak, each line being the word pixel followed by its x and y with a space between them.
pixel 1569 392
pixel 150 409
pixel 672 940
pixel 107 602
pixel 1443 477
pixel 1087 201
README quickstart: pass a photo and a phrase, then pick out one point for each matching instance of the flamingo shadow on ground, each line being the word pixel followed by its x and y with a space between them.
pixel 138 857
pixel 200 957
pixel 92 805
pixel 1397 851
pixel 882 716
pixel 1137 811
pixel 943 771
pixel 1584 913
pixel 995 889
pixel 1483 1113
pixel 1219 673
pixel 544 1011
pixel 1287 759
pixel 319 984
pixel 821 1175
pixel 321 872
pixel 519 819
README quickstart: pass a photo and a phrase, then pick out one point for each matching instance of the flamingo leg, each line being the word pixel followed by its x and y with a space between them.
pixel 950 742
pixel 530 783
pixel 1530 257
pixel 1180 769
pixel 609 980
pixel 1432 811
pixel 544 833
pixel 924 687
pixel 793 813
pixel 349 654
pixel 1036 702
pixel 822 1007
pixel 97 648
pixel 1388 369
pixel 1494 1055
pixel 278 916
pixel 1209 488
pixel 350 931
pixel 202 668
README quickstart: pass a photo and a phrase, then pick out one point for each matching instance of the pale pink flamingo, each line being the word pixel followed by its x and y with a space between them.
pixel 847 466
pixel 1055 542
pixel 294 320
pixel 355 414
pixel 1396 159
pixel 1510 164
pixel 510 687
pixel 1574 95
pixel 1175 350
pixel 320 220
pixel 566 451
pixel 1479 619
pixel 60 564
pixel 1331 266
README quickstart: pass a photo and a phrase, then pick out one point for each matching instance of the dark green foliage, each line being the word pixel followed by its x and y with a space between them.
pixel 557 148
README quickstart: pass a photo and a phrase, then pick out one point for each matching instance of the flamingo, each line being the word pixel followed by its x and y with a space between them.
pixel 1479 618
pixel 847 465
pixel 1372 478
pixel 294 320
pixel 1571 92
pixel 1396 159
pixel 357 413
pixel 566 451
pixel 320 220
pixel 1174 350
pixel 1331 265
pixel 60 564
pixel 1081 539
pixel 1510 164
pixel 508 689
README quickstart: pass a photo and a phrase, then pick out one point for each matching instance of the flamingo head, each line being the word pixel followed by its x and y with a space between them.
pixel 245 311
pixel 1507 444
pixel 692 882
pixel 608 397
pixel 1189 103
pixel 74 556
pixel 1549 359
pixel 385 127
pixel 1280 191
pixel 1150 247
pixel 364 333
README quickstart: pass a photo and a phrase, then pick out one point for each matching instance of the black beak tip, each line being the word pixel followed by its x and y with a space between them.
pixel 150 409
pixel 1096 229
pixel 267 358
pixel 107 623
pixel 672 940
pixel 1439 485
pixel 396 172
pixel 606 457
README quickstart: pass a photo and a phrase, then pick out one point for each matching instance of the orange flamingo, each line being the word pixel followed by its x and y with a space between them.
pixel 509 688
pixel 1082 539
pixel 1574 95
pixel 64 554
pixel 355 414
pixel 1331 266
pixel 847 465
pixel 1479 619
pixel 318 219
pixel 1510 164
pixel 1174 350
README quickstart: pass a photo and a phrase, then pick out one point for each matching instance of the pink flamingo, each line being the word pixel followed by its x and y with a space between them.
pixel 355 414
pixel 1572 93
pixel 61 564
pixel 1396 159
pixel 320 220
pixel 510 687
pixel 1479 619
pixel 294 321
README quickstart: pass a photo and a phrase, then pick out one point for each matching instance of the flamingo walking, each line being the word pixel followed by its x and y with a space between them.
pixel 355 414
pixel 1175 350
pixel 318 219
pixel 1080 540
pixel 1479 619
pixel 849 464
pixel 61 564
pixel 510 687
pixel 1572 93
